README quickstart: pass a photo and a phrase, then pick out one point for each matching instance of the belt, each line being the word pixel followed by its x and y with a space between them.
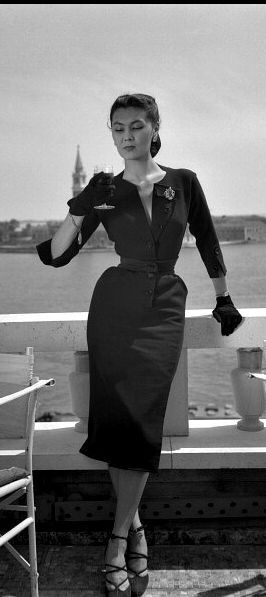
pixel 157 266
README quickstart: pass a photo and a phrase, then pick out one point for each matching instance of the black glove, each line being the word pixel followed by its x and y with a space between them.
pixel 99 190
pixel 226 314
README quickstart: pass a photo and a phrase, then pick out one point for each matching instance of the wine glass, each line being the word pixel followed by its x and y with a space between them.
pixel 106 169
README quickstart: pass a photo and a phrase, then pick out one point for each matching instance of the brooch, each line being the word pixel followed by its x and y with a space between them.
pixel 169 193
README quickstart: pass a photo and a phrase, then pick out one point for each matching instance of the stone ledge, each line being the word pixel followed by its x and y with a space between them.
pixel 217 443
pixel 67 331
pixel 211 444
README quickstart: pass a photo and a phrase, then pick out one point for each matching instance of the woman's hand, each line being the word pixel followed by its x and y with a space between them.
pixel 99 190
pixel 227 315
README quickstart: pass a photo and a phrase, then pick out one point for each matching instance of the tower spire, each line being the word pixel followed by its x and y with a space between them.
pixel 78 176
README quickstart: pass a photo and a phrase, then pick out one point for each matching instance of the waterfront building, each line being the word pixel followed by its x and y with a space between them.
pixel 99 239
pixel 189 240
pixel 79 176
pixel 255 230
pixel 230 232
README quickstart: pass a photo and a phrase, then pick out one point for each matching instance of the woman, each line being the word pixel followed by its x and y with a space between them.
pixel 136 316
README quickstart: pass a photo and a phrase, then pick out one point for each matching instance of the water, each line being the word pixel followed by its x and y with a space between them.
pixel 27 286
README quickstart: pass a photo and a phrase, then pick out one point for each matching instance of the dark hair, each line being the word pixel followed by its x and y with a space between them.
pixel 147 103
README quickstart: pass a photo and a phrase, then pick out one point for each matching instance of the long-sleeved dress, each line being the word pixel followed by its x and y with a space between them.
pixel 137 314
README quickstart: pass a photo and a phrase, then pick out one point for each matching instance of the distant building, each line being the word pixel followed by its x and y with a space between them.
pixel 99 239
pixel 40 233
pixel 255 230
pixel 78 176
pixel 230 232
pixel 188 239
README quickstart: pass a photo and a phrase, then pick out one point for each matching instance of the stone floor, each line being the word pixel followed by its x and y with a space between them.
pixel 181 571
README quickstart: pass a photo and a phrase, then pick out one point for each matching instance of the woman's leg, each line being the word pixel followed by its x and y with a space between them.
pixel 114 474
pixel 129 486
pixel 130 489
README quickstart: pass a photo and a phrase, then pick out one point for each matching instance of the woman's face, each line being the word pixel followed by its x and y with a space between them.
pixel 132 133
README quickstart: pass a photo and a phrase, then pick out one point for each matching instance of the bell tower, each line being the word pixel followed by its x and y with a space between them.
pixel 78 176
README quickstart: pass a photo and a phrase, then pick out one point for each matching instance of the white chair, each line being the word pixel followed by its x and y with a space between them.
pixel 18 399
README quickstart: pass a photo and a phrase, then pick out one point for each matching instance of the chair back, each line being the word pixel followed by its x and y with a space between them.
pixel 16 373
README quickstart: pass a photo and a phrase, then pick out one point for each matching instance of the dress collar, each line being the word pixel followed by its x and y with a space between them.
pixel 167 181
pixel 163 208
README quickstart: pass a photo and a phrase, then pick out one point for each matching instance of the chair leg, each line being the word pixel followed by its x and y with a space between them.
pixel 32 544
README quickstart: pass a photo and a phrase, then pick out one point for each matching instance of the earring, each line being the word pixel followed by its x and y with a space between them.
pixel 154 138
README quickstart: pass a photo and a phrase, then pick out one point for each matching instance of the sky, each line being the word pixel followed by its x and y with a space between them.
pixel 63 65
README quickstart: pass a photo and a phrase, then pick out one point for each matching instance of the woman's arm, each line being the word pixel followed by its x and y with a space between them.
pixel 68 239
pixel 65 234
pixel 202 227
pixel 79 224
pixel 82 206
pixel 220 286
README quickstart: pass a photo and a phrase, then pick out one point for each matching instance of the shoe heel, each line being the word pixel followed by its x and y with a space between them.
pixel 139 585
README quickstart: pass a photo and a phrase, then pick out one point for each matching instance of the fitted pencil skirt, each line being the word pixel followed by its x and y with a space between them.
pixel 135 335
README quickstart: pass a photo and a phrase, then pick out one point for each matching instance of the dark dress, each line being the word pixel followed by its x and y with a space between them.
pixel 137 314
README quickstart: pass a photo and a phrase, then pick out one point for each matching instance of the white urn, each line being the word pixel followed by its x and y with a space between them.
pixel 79 383
pixel 250 396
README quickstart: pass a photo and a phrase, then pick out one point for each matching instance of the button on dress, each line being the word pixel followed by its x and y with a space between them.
pixel 137 314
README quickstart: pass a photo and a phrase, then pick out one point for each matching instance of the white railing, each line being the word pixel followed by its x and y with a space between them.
pixel 67 331
pixel 210 444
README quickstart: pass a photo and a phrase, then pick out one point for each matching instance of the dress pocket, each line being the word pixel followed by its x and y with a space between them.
pixel 182 283
pixel 180 280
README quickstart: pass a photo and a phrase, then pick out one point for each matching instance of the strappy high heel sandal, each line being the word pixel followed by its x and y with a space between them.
pixel 138 583
pixel 116 592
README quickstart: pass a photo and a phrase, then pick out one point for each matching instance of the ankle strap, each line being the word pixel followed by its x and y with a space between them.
pixel 113 536
pixel 137 530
